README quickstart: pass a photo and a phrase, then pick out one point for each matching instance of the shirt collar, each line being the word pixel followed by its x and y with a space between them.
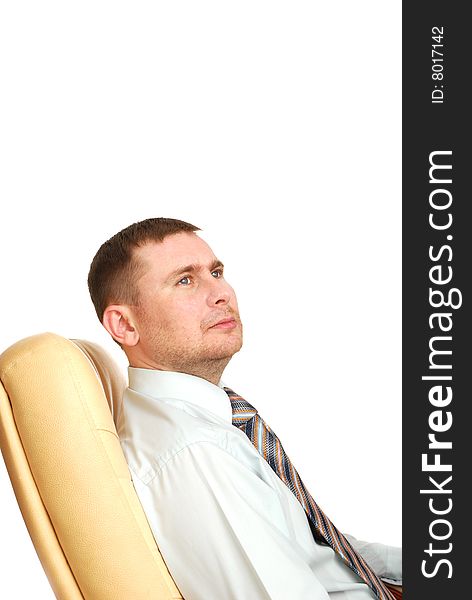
pixel 181 386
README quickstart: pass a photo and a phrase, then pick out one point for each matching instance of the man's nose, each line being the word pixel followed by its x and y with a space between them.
pixel 220 293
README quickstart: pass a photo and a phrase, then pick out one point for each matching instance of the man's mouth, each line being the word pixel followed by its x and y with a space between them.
pixel 227 323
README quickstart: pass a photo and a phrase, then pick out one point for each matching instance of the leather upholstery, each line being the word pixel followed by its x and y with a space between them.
pixel 69 474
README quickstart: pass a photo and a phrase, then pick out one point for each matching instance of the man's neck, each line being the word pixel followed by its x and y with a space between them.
pixel 211 375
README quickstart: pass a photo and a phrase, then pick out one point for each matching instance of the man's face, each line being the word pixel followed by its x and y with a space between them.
pixel 187 315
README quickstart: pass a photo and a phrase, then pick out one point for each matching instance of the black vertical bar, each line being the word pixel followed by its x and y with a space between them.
pixel 436 270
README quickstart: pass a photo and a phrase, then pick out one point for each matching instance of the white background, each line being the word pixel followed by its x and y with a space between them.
pixel 275 127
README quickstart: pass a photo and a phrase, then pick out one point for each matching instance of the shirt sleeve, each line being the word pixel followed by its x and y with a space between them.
pixel 220 529
pixel 386 561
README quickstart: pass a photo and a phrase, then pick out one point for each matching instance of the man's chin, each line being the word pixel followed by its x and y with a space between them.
pixel 226 350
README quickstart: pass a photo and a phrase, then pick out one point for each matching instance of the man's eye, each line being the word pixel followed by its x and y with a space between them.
pixel 219 273
pixel 184 281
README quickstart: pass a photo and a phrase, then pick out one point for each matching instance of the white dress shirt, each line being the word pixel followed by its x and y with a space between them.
pixel 227 527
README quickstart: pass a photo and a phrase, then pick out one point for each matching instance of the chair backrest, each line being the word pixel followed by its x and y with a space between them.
pixel 70 476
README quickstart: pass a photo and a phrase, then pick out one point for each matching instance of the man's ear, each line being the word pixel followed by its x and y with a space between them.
pixel 119 322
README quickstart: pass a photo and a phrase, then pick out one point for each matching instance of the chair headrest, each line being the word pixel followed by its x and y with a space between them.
pixel 109 373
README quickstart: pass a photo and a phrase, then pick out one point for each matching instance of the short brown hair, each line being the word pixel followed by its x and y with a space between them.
pixel 115 268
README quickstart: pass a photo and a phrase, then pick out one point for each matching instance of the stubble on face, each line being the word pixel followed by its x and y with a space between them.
pixel 172 350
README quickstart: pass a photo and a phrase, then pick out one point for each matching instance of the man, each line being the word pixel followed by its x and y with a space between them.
pixel 228 525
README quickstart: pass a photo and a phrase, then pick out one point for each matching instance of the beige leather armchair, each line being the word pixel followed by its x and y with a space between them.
pixel 60 446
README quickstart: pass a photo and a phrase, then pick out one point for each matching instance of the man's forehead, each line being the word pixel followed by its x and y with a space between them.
pixel 176 250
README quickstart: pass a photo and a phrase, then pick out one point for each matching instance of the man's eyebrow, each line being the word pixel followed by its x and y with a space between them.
pixel 193 268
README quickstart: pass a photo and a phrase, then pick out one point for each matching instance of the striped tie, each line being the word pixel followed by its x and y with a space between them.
pixel 246 418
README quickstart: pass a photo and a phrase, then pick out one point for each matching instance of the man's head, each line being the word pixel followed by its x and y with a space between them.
pixel 159 291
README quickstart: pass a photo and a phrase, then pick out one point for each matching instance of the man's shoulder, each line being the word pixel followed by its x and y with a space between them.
pixel 147 468
pixel 154 431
